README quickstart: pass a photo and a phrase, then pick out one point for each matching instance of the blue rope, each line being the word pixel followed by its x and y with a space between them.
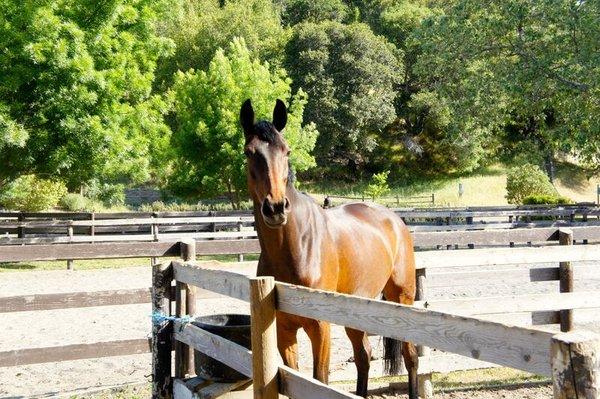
pixel 159 318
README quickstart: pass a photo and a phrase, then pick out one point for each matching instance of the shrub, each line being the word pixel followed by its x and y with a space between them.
pixel 30 193
pixel 74 202
pixel 110 194
pixel 546 200
pixel 378 186
pixel 527 180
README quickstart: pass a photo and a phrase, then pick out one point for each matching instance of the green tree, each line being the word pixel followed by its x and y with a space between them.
pixel 75 89
pixel 378 186
pixel 200 27
pixel 526 181
pixel 349 74
pixel 208 140
pixel 532 64
pixel 296 11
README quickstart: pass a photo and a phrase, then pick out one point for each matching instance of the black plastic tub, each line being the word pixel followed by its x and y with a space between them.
pixel 234 327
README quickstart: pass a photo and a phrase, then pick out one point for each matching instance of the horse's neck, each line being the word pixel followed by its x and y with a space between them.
pixel 289 244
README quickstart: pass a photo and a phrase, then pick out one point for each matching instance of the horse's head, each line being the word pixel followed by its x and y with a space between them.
pixel 267 154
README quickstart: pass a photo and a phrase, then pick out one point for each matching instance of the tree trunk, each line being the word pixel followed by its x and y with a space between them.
pixel 549 165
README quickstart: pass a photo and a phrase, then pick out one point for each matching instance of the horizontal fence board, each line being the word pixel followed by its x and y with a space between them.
pixel 223 247
pixel 295 385
pixel 507 256
pixel 17 253
pixel 27 303
pixel 219 348
pixel 507 276
pixel 516 303
pixel 517 347
pixel 220 281
pixel 20 357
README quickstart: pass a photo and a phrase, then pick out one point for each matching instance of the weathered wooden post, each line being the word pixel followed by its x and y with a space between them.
pixel 92 225
pixel 182 352
pixel 188 254
pixel 425 383
pixel 265 358
pixel 576 365
pixel 70 234
pixel 162 383
pixel 154 232
pixel 21 228
pixel 565 273
pixel 240 228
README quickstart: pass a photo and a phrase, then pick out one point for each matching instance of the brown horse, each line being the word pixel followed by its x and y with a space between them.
pixel 360 249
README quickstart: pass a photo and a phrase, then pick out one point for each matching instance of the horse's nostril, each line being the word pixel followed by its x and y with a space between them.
pixel 267 208
pixel 287 204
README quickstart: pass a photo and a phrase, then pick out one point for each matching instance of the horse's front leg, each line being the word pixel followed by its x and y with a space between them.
pixel 319 333
pixel 287 341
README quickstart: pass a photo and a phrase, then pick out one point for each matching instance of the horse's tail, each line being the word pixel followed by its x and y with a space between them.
pixel 392 355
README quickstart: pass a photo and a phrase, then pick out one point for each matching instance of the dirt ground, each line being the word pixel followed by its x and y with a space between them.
pixel 88 325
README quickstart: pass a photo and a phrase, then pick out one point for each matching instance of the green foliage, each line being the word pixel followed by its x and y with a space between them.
pixel 200 27
pixel 525 181
pixel 159 206
pixel 378 186
pixel 33 194
pixel 208 140
pixel 530 64
pixel 76 86
pixel 74 202
pixel 546 200
pixel 110 194
pixel 350 74
pixel 297 11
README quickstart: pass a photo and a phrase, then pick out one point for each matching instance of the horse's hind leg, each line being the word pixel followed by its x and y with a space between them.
pixel 362 358
pixel 396 293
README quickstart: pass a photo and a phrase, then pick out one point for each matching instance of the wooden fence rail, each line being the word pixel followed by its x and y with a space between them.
pixel 537 351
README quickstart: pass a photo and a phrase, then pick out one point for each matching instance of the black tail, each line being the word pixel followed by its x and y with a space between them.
pixel 392 356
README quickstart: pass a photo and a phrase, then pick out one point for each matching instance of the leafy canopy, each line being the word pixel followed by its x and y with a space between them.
pixel 208 140
pixel 75 93
pixel 349 74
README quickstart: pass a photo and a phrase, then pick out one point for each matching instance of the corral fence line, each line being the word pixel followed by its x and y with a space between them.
pixel 424 201
pixel 434 270
pixel 572 359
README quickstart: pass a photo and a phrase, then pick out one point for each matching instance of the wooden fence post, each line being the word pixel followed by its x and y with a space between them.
pixel 240 228
pixel 425 383
pixel 576 365
pixel 92 227
pixel 21 229
pixel 565 272
pixel 182 351
pixel 70 234
pixel 188 254
pixel 162 383
pixel 265 358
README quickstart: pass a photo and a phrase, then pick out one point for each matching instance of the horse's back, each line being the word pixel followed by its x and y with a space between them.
pixel 369 240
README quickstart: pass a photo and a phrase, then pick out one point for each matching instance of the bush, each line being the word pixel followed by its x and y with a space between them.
pixel 110 194
pixel 159 206
pixel 546 200
pixel 527 180
pixel 32 194
pixel 379 185
pixel 74 202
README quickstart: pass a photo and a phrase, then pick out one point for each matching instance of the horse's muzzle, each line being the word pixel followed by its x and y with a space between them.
pixel 275 214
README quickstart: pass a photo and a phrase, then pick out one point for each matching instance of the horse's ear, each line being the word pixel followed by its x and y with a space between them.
pixel 279 115
pixel 247 117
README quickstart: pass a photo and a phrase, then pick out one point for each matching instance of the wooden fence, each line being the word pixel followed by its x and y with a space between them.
pixel 56 228
pixel 571 359
pixel 536 310
pixel 423 201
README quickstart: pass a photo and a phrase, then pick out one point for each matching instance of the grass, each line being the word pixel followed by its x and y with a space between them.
pixel 486 186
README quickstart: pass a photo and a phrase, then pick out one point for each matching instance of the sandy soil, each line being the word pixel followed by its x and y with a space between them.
pixel 87 325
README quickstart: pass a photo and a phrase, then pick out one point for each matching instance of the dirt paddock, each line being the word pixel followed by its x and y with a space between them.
pixel 88 325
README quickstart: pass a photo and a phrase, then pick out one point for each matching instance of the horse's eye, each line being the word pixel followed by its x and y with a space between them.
pixel 288 153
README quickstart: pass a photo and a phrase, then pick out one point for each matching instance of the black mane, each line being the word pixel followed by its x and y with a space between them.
pixel 265 131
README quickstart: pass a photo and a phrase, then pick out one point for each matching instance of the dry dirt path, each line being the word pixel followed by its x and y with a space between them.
pixel 88 325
